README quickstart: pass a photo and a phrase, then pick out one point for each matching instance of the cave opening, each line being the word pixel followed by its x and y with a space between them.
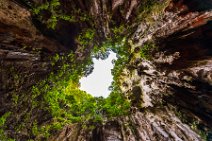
pixel 98 82
pixel 155 85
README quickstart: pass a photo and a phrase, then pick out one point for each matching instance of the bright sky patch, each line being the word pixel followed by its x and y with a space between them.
pixel 100 79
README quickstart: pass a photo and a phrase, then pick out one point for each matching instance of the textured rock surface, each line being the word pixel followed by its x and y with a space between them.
pixel 24 60
pixel 178 76
pixel 22 47
pixel 160 125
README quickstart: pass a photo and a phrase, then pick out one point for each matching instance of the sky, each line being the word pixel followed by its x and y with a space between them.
pixel 100 79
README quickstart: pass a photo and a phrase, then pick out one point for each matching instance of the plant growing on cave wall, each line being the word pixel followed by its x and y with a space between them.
pixel 3 136
pixel 58 97
pixel 152 7
pixel 62 102
pixel 146 50
pixel 51 12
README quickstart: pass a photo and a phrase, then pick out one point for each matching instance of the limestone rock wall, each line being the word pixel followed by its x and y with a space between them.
pixel 170 91
pixel 175 81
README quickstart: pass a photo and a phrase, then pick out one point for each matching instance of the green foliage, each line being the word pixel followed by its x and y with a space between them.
pixel 38 9
pixel 61 97
pixel 55 9
pixel 149 8
pixel 118 30
pixel 118 33
pixel 85 37
pixel 116 104
pixel 3 136
pixel 64 103
pixel 146 49
pixel 101 52
pixel 58 95
pixel 3 118
pixel 52 7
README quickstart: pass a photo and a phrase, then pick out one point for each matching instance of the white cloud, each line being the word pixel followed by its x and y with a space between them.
pixel 99 80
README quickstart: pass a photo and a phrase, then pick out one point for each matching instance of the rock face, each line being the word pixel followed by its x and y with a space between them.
pixel 142 126
pixel 171 92
pixel 178 77
pixel 22 47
